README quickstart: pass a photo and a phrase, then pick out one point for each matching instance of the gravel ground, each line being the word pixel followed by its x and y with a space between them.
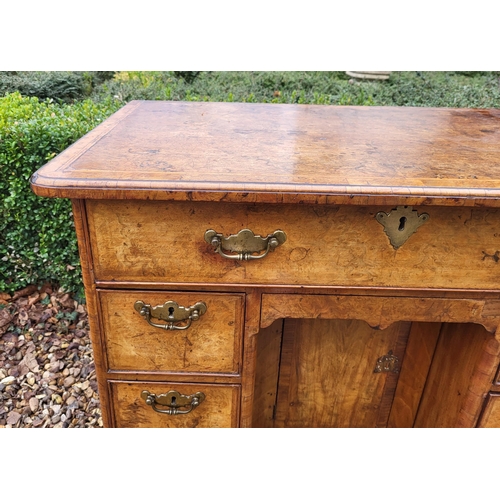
pixel 47 372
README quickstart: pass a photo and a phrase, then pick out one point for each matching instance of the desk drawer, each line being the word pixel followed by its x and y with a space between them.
pixel 325 245
pixel 212 344
pixel 219 408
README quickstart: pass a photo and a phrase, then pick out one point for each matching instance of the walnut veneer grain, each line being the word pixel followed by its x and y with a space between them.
pixel 155 150
pixel 210 345
pixel 327 374
pixel 219 409
pixel 344 245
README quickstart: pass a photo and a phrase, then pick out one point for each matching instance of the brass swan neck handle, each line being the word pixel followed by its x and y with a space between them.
pixel 245 245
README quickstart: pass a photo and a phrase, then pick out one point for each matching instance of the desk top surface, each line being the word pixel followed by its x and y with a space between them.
pixel 282 153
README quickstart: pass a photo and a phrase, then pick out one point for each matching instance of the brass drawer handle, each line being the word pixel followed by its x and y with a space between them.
pixel 172 313
pixel 244 244
pixel 174 401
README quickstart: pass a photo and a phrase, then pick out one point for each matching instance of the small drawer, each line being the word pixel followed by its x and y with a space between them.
pixel 453 248
pixel 491 413
pixel 211 344
pixel 219 406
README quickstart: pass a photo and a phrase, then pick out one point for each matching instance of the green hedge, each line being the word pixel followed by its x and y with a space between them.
pixel 37 238
pixel 64 86
pixel 404 88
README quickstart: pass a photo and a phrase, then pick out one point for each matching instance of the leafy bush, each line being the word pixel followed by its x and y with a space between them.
pixel 277 87
pixel 37 238
pixel 189 76
pixel 58 85
pixel 410 88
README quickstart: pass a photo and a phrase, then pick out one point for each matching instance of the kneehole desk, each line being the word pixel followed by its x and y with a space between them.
pixel 268 265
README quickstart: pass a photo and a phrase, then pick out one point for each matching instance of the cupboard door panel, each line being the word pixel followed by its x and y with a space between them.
pixel 327 374
pixel 411 383
pixel 458 358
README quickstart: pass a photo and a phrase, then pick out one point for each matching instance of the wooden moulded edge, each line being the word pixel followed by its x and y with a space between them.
pixel 321 195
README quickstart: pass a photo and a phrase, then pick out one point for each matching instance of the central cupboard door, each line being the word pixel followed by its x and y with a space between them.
pixel 328 373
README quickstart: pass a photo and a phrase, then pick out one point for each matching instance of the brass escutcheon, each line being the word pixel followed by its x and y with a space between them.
pixel 387 363
pixel 172 313
pixel 173 401
pixel 245 244
pixel 400 223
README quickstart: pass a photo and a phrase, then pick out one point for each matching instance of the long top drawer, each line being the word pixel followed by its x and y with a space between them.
pixel 164 242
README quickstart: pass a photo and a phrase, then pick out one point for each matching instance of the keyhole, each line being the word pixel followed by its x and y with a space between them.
pixel 402 223
pixel 174 400
pixel 171 312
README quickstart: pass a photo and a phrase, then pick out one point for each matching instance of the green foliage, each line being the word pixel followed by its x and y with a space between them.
pixel 440 89
pixel 189 76
pixel 37 239
pixel 411 88
pixel 63 86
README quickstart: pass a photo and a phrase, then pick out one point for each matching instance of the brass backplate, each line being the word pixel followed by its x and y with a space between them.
pixel 171 311
pixel 173 402
pixel 243 245
pixel 245 240
pixel 387 363
pixel 173 399
pixel 400 223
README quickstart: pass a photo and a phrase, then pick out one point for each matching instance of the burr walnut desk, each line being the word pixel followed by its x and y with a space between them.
pixel 275 265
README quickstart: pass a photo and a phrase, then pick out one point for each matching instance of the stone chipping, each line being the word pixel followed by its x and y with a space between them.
pixel 47 372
